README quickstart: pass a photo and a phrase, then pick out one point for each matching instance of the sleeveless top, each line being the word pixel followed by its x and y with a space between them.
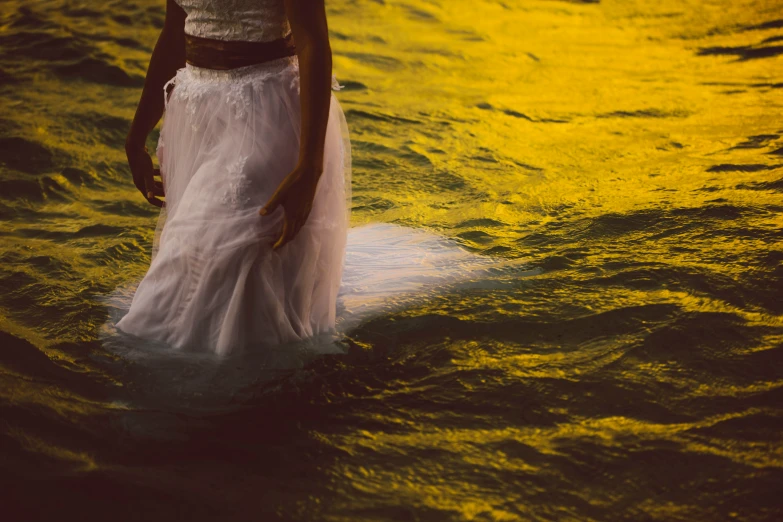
pixel 247 20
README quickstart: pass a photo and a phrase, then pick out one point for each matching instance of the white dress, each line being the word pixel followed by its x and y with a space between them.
pixel 227 140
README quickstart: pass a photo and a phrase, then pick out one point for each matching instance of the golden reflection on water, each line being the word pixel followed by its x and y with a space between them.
pixel 83 461
pixel 535 98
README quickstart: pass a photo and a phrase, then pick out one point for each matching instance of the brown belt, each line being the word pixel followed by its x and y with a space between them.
pixel 230 54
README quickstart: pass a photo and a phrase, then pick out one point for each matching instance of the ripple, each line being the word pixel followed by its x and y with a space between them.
pixel 377 61
pixel 378 116
pixel 24 155
pixel 78 176
pixel 99 71
pixel 645 113
pixel 775 186
pixel 752 167
pixel 743 52
pixel 757 142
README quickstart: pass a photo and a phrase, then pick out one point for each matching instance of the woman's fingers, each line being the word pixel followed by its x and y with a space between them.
pixel 281 238
pixel 151 189
pixel 137 166
pixel 273 202
pixel 149 183
pixel 143 173
pixel 281 195
pixel 294 225
pixel 291 228
pixel 294 230
pixel 295 196
pixel 158 185
pixel 270 206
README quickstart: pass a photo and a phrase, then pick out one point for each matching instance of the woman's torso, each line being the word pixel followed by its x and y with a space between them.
pixel 247 20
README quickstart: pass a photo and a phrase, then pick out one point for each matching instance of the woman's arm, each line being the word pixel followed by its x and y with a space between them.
pixel 167 57
pixel 311 37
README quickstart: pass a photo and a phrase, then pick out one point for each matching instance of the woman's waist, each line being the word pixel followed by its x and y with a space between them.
pixel 225 55
pixel 277 67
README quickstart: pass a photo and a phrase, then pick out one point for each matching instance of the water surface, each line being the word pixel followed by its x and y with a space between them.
pixel 630 152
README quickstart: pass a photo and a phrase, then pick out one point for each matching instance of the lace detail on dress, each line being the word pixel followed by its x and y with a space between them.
pixel 237 86
pixel 248 20
pixel 237 184
pixel 335 84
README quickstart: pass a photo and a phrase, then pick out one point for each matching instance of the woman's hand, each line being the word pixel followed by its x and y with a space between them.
pixel 295 194
pixel 143 173
pixel 167 58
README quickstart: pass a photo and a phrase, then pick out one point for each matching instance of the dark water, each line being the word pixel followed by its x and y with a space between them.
pixel 631 153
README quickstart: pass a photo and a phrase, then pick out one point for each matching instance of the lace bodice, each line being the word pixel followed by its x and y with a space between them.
pixel 248 20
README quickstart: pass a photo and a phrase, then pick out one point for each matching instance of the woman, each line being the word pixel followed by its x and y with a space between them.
pixel 255 169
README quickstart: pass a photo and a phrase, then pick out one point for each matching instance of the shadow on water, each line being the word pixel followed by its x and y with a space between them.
pixel 158 450
pixel 743 52
pixel 750 52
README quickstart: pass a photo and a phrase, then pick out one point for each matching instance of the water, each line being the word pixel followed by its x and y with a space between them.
pixel 629 152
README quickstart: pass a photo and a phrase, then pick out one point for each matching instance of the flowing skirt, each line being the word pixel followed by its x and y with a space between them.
pixel 214 283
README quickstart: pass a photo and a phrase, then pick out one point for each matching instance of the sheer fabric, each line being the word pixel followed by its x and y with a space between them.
pixel 214 284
